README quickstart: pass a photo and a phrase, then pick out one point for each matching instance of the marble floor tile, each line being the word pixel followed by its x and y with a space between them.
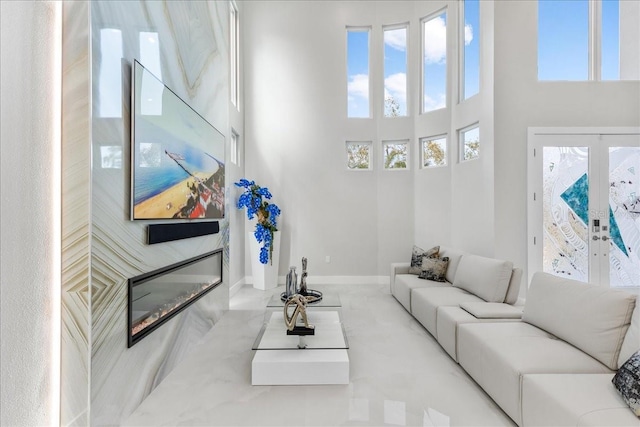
pixel 399 375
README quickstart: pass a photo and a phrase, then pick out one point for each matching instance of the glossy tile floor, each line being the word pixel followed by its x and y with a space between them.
pixel 399 375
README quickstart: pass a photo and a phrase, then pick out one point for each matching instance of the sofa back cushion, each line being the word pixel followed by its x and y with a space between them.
pixel 513 291
pixel 591 318
pixel 631 343
pixel 454 256
pixel 487 278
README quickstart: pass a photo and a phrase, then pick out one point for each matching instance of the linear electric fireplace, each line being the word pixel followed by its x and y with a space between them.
pixel 157 296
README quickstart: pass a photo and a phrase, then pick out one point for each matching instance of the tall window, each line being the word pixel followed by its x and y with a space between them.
pixel 563 40
pixel 470 63
pixel 434 62
pixel 470 142
pixel 395 154
pixel 610 40
pixel 234 52
pixel 433 151
pixel 588 40
pixel 358 72
pixel 395 71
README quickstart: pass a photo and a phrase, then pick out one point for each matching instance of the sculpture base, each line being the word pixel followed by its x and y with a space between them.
pixel 301 330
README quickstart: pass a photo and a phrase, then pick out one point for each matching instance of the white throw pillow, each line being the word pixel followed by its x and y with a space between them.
pixel 487 278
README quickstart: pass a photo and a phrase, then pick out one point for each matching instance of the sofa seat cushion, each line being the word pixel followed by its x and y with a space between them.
pixel 573 400
pixel 497 355
pixel 449 318
pixel 487 278
pixel 425 303
pixel 404 283
pixel 592 318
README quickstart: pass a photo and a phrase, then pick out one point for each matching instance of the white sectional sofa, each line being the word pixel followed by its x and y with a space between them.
pixel 477 289
pixel 549 362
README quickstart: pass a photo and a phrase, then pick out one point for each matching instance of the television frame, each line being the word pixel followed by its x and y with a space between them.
pixel 177 156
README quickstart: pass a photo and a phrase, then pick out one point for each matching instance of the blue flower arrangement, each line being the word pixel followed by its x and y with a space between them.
pixel 265 212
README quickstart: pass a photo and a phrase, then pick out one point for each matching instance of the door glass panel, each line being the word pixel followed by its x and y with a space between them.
pixel 624 216
pixel 565 208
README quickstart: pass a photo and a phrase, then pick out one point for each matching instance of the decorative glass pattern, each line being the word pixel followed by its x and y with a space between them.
pixel 565 207
pixel 624 216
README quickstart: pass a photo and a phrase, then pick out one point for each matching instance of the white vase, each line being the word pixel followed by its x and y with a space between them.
pixel 265 276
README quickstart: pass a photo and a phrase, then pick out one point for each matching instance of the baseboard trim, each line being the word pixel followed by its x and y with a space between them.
pixel 234 289
pixel 334 280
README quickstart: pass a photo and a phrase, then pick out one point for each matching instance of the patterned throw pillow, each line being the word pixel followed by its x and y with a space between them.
pixel 434 268
pixel 416 258
pixel 627 382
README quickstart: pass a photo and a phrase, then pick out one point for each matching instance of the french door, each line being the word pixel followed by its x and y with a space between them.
pixel 584 204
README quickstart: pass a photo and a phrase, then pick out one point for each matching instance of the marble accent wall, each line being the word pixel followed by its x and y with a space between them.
pixel 76 206
pixel 186 45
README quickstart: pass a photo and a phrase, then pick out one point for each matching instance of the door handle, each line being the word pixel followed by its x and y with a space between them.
pixel 596 238
pixel 605 238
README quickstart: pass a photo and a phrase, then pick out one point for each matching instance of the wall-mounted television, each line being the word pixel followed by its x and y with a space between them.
pixel 177 157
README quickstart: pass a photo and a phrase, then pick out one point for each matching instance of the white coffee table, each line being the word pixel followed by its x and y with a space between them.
pixel 279 361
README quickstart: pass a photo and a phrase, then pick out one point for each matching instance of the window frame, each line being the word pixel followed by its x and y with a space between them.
pixel 369 30
pixel 391 27
pixel 594 45
pixel 462 144
pixel 371 156
pixel 406 142
pixel 424 139
pixel 462 53
pixel 423 20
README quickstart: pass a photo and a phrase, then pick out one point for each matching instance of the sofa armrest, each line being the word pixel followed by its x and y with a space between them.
pixel 397 268
pixel 492 310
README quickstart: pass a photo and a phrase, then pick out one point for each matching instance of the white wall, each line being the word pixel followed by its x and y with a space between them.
pixel 521 102
pixel 27 270
pixel 296 127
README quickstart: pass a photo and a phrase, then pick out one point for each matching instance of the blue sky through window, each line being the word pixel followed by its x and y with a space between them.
pixel 434 57
pixel 610 40
pixel 471 48
pixel 358 73
pixel 563 40
pixel 395 72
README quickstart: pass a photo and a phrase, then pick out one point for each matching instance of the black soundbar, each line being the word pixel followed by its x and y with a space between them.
pixel 159 233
